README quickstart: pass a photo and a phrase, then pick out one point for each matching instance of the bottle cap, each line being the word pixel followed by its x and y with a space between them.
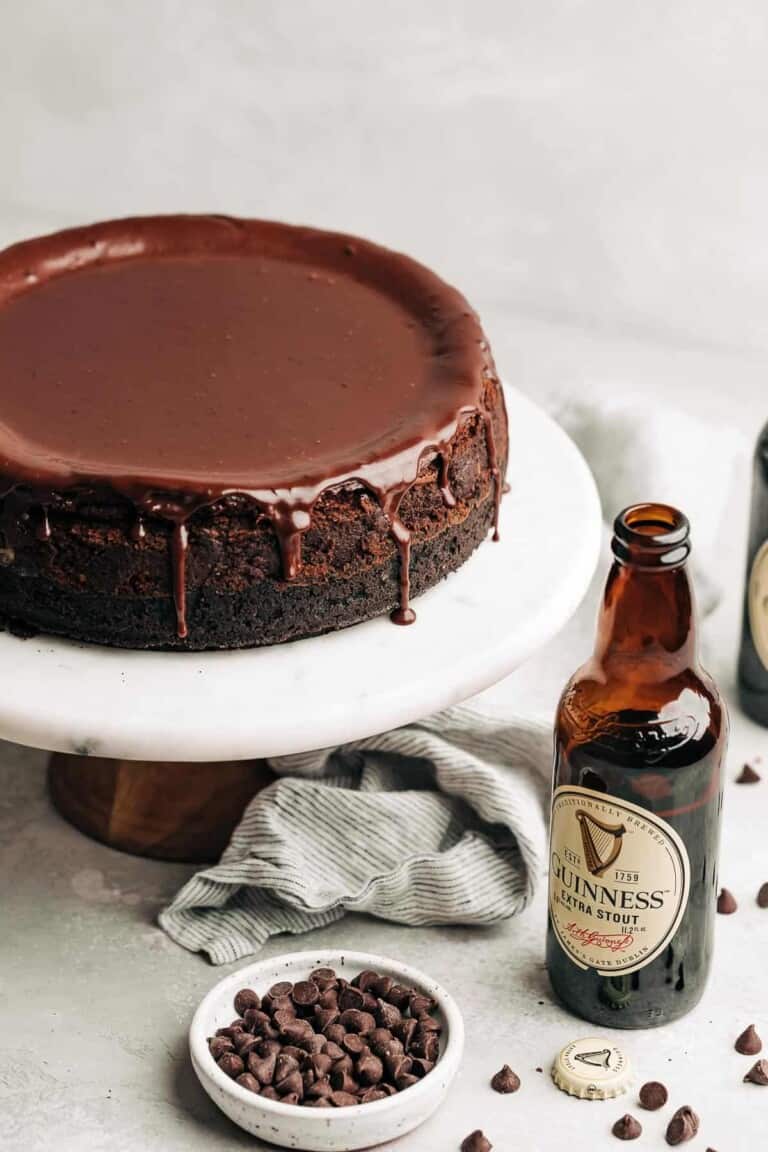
pixel 592 1069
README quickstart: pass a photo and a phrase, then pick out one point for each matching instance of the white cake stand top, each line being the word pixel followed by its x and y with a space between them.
pixel 472 630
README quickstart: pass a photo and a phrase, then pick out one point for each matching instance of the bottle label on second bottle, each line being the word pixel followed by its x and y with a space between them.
pixel 618 882
pixel 757 600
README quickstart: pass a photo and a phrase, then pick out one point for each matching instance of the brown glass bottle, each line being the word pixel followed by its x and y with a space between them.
pixel 640 738
pixel 753 657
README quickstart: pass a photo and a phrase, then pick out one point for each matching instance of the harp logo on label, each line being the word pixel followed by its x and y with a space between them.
pixel 618 882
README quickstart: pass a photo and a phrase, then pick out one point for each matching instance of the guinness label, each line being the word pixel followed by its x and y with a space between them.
pixel 757 599
pixel 618 881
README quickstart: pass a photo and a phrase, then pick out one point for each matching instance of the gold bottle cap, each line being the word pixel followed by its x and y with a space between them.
pixel 592 1069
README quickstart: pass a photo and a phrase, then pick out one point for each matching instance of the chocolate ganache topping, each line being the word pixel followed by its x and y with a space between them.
pixel 177 360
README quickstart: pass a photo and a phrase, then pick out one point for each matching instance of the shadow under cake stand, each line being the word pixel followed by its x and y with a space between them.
pixel 158 752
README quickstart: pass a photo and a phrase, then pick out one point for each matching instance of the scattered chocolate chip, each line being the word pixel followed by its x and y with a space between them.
pixel 748 775
pixel 726 902
pixel 505 1081
pixel 231 1065
pixel 758 1073
pixel 246 998
pixel 683 1126
pixel 627 1128
pixel 246 1080
pixel 476 1142
pixel 762 896
pixel 653 1096
pixel 749 1043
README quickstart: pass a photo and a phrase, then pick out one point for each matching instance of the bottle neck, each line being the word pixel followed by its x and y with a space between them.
pixel 646 629
pixel 647 621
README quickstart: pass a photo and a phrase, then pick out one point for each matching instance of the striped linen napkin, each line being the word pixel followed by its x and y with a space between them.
pixel 439 822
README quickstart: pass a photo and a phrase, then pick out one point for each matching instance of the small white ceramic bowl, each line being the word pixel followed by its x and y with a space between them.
pixel 323 1129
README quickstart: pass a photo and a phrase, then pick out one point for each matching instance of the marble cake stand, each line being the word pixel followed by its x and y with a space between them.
pixel 476 627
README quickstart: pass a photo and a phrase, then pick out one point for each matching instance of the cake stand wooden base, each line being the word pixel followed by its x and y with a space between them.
pixel 169 811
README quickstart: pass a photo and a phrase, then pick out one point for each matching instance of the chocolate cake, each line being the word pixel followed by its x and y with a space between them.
pixel 220 433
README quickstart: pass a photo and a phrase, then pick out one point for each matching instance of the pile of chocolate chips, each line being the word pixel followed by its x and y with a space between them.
pixel 327 1042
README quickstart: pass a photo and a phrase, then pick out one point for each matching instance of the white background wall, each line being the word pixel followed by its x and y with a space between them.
pixel 602 163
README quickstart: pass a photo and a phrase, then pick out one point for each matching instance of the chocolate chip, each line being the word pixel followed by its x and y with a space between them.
pixel 321 1103
pixel 283 1016
pixel 406 1081
pixel 305 994
pixel 388 1015
pixel 476 1142
pixel 762 896
pixel 246 998
pixel 292 1085
pixel 335 1051
pixel 683 1126
pixel 404 1030
pixel 726 903
pixel 282 988
pixel 269 1093
pixel 748 775
pixel 505 1081
pixel 399 995
pixel 370 1003
pixel 329 998
pixel 397 1066
pixel 245 1043
pixel 231 1065
pixel 354 1045
pixel 342 1080
pixel 421 1005
pixel 325 978
pixel 262 1067
pixel 246 1080
pixel 758 1073
pixel 365 981
pixel 295 1031
pixel 281 1004
pixel 370 1069
pixel 342 1099
pixel 627 1128
pixel 429 1024
pixel 420 1068
pixel 371 1095
pixel 426 1048
pixel 356 1021
pixel 351 998
pixel 321 1089
pixel 325 1016
pixel 335 1033
pixel 379 1038
pixel 653 1096
pixel 285 1066
pixel 381 987
pixel 291 1098
pixel 749 1043
pixel 218 1045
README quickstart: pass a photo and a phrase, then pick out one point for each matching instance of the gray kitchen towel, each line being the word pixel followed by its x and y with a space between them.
pixel 439 822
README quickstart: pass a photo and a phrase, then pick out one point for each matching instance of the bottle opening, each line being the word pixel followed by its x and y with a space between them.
pixel 652 535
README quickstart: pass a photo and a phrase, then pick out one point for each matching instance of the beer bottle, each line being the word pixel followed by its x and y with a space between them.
pixel 753 659
pixel 640 737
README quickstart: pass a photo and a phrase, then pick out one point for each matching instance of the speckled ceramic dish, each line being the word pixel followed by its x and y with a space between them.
pixel 325 1129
